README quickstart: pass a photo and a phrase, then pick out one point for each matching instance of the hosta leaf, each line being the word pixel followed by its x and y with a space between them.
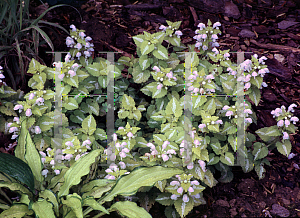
pixel 143 176
pixel 50 196
pixel 17 211
pixel 91 202
pixel 76 171
pixel 33 158
pixel 130 209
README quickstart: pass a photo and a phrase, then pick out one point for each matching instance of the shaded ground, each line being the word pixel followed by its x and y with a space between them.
pixel 264 27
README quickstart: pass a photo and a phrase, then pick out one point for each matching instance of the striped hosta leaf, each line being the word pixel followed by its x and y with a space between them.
pixel 89 124
pixel 161 52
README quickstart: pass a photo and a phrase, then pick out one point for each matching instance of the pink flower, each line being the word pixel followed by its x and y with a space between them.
pixel 198 44
pixel 173 183
pixel 122 165
pixel 57 172
pixel 180 190
pixel 178 33
pixel 214 36
pixel 28 112
pixel 40 101
pixel 286 135
pixel 201 26
pixel 287 123
pixel 72 73
pixel 191 189
pixel 165 144
pixel 174 197
pixel 276 112
pixel 210 76
pixel 201 126
pixel 37 130
pixel 195 182
pixel 219 122
pixel 247 85
pixel 291 107
pixel 162 27
pixel 225 107
pixel 196 90
pixel 229 113
pixel 129 134
pixel 31 96
pixel 226 55
pixel 280 123
pixel 204 36
pixel 294 119
pixel 248 120
pixel 185 198
pixel 217 24
pixel 156 68
pixel 202 165
pixel 165 157
pixel 159 86
pixel 216 51
pixel 190 166
pixel 196 142
pixel 254 74
pixel 18 107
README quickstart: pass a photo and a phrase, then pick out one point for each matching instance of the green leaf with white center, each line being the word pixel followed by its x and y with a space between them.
pixel 48 95
pixel 89 124
pixel 94 69
pixel 80 168
pixel 100 134
pixel 40 78
pixel 161 52
pixel 139 39
pixel 247 165
pixel 215 145
pixel 81 75
pixel 260 170
pixel 267 133
pixel 174 41
pixel 164 199
pixel 209 179
pixel 45 123
pixel 199 101
pixel 139 177
pixel 255 95
pixel 284 148
pixel 213 159
pixel 229 128
pixel 144 62
pixel 183 208
pixel 227 158
pixel 70 104
pixel 257 81
pixel 140 76
pixel 159 138
pixel 210 106
pixel 77 116
pixel 174 108
pixel 93 106
pixel 137 115
pixel 129 209
pixel 73 81
pixel 33 158
pixel 127 102
pixel 259 151
pixel 146 48
pixel 102 81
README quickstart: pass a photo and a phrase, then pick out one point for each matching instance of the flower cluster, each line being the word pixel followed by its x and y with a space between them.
pixel 284 117
pixel 114 172
pixel 207 36
pixel 67 154
pixel 165 76
pixel 79 44
pixel 169 31
pixel 1 75
pixel 164 152
pixel 232 111
pixel 253 69
pixel 199 81
pixel 185 188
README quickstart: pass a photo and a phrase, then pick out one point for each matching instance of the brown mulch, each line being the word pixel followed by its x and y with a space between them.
pixel 265 27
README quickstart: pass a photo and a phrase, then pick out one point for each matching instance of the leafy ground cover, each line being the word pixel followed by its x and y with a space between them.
pixel 250 26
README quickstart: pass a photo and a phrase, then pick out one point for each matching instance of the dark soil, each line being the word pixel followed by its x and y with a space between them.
pixel 264 27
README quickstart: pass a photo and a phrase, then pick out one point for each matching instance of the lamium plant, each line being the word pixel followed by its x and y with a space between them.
pixel 154 154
